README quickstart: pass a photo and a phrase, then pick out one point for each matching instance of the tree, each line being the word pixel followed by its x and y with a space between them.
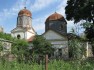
pixel 20 49
pixel 42 46
pixel 6 36
pixel 78 10
pixel 76 46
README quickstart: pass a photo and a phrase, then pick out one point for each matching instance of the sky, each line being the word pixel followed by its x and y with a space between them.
pixel 40 9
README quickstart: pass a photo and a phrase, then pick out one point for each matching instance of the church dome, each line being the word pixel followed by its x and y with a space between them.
pixel 24 12
pixel 55 16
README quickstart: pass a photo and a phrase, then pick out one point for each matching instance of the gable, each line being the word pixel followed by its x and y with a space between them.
pixel 52 35
pixel 17 30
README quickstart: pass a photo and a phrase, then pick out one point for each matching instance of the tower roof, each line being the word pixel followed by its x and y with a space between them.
pixel 55 16
pixel 24 12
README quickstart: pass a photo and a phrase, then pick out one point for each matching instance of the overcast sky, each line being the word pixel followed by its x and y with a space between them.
pixel 40 10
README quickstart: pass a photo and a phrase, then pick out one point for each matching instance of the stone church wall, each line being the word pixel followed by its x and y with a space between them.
pixel 6 46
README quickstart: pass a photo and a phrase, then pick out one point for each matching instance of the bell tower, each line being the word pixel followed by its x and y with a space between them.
pixel 24 29
pixel 24 18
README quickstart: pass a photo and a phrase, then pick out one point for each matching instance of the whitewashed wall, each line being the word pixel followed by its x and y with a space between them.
pixel 29 34
pixel 51 35
pixel 58 42
pixel 22 34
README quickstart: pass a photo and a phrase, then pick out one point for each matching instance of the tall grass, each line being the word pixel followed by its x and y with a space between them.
pixel 52 65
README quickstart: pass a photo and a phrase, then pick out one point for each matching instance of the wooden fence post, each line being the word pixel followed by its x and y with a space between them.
pixel 46 62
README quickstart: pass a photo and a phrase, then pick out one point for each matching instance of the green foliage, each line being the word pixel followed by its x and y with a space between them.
pixel 6 36
pixel 1 47
pixel 17 44
pixel 77 49
pixel 19 49
pixel 76 46
pixel 80 10
pixel 42 46
pixel 52 65
pixel 89 33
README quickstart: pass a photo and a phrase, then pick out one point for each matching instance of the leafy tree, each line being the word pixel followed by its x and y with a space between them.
pixel 76 46
pixel 78 10
pixel 6 36
pixel 19 49
pixel 42 46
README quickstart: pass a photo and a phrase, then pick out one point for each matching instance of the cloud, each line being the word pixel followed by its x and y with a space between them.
pixel 61 7
pixel 39 24
pixel 7 13
pixel 77 27
pixel 40 4
pixel 70 25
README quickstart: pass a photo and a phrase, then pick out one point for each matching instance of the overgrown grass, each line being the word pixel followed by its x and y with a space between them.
pixel 53 65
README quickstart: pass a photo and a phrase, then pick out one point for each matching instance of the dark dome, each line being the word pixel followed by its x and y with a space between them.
pixel 55 16
pixel 24 12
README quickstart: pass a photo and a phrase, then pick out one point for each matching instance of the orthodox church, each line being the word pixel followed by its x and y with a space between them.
pixel 55 31
pixel 24 29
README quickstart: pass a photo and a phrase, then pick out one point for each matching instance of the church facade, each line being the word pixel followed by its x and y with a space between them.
pixel 56 33
pixel 24 29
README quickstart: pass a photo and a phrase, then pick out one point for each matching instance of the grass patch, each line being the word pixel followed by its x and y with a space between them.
pixel 52 65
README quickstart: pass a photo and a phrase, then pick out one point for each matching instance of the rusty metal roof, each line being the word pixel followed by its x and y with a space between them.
pixel 24 12
pixel 55 16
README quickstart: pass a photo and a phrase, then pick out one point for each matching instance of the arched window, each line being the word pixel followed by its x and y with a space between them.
pixel 18 36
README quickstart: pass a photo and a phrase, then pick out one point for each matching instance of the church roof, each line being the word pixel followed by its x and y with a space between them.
pixel 17 29
pixel 24 12
pixel 55 16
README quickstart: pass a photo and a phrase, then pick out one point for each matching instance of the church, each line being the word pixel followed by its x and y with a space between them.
pixel 24 29
pixel 55 31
